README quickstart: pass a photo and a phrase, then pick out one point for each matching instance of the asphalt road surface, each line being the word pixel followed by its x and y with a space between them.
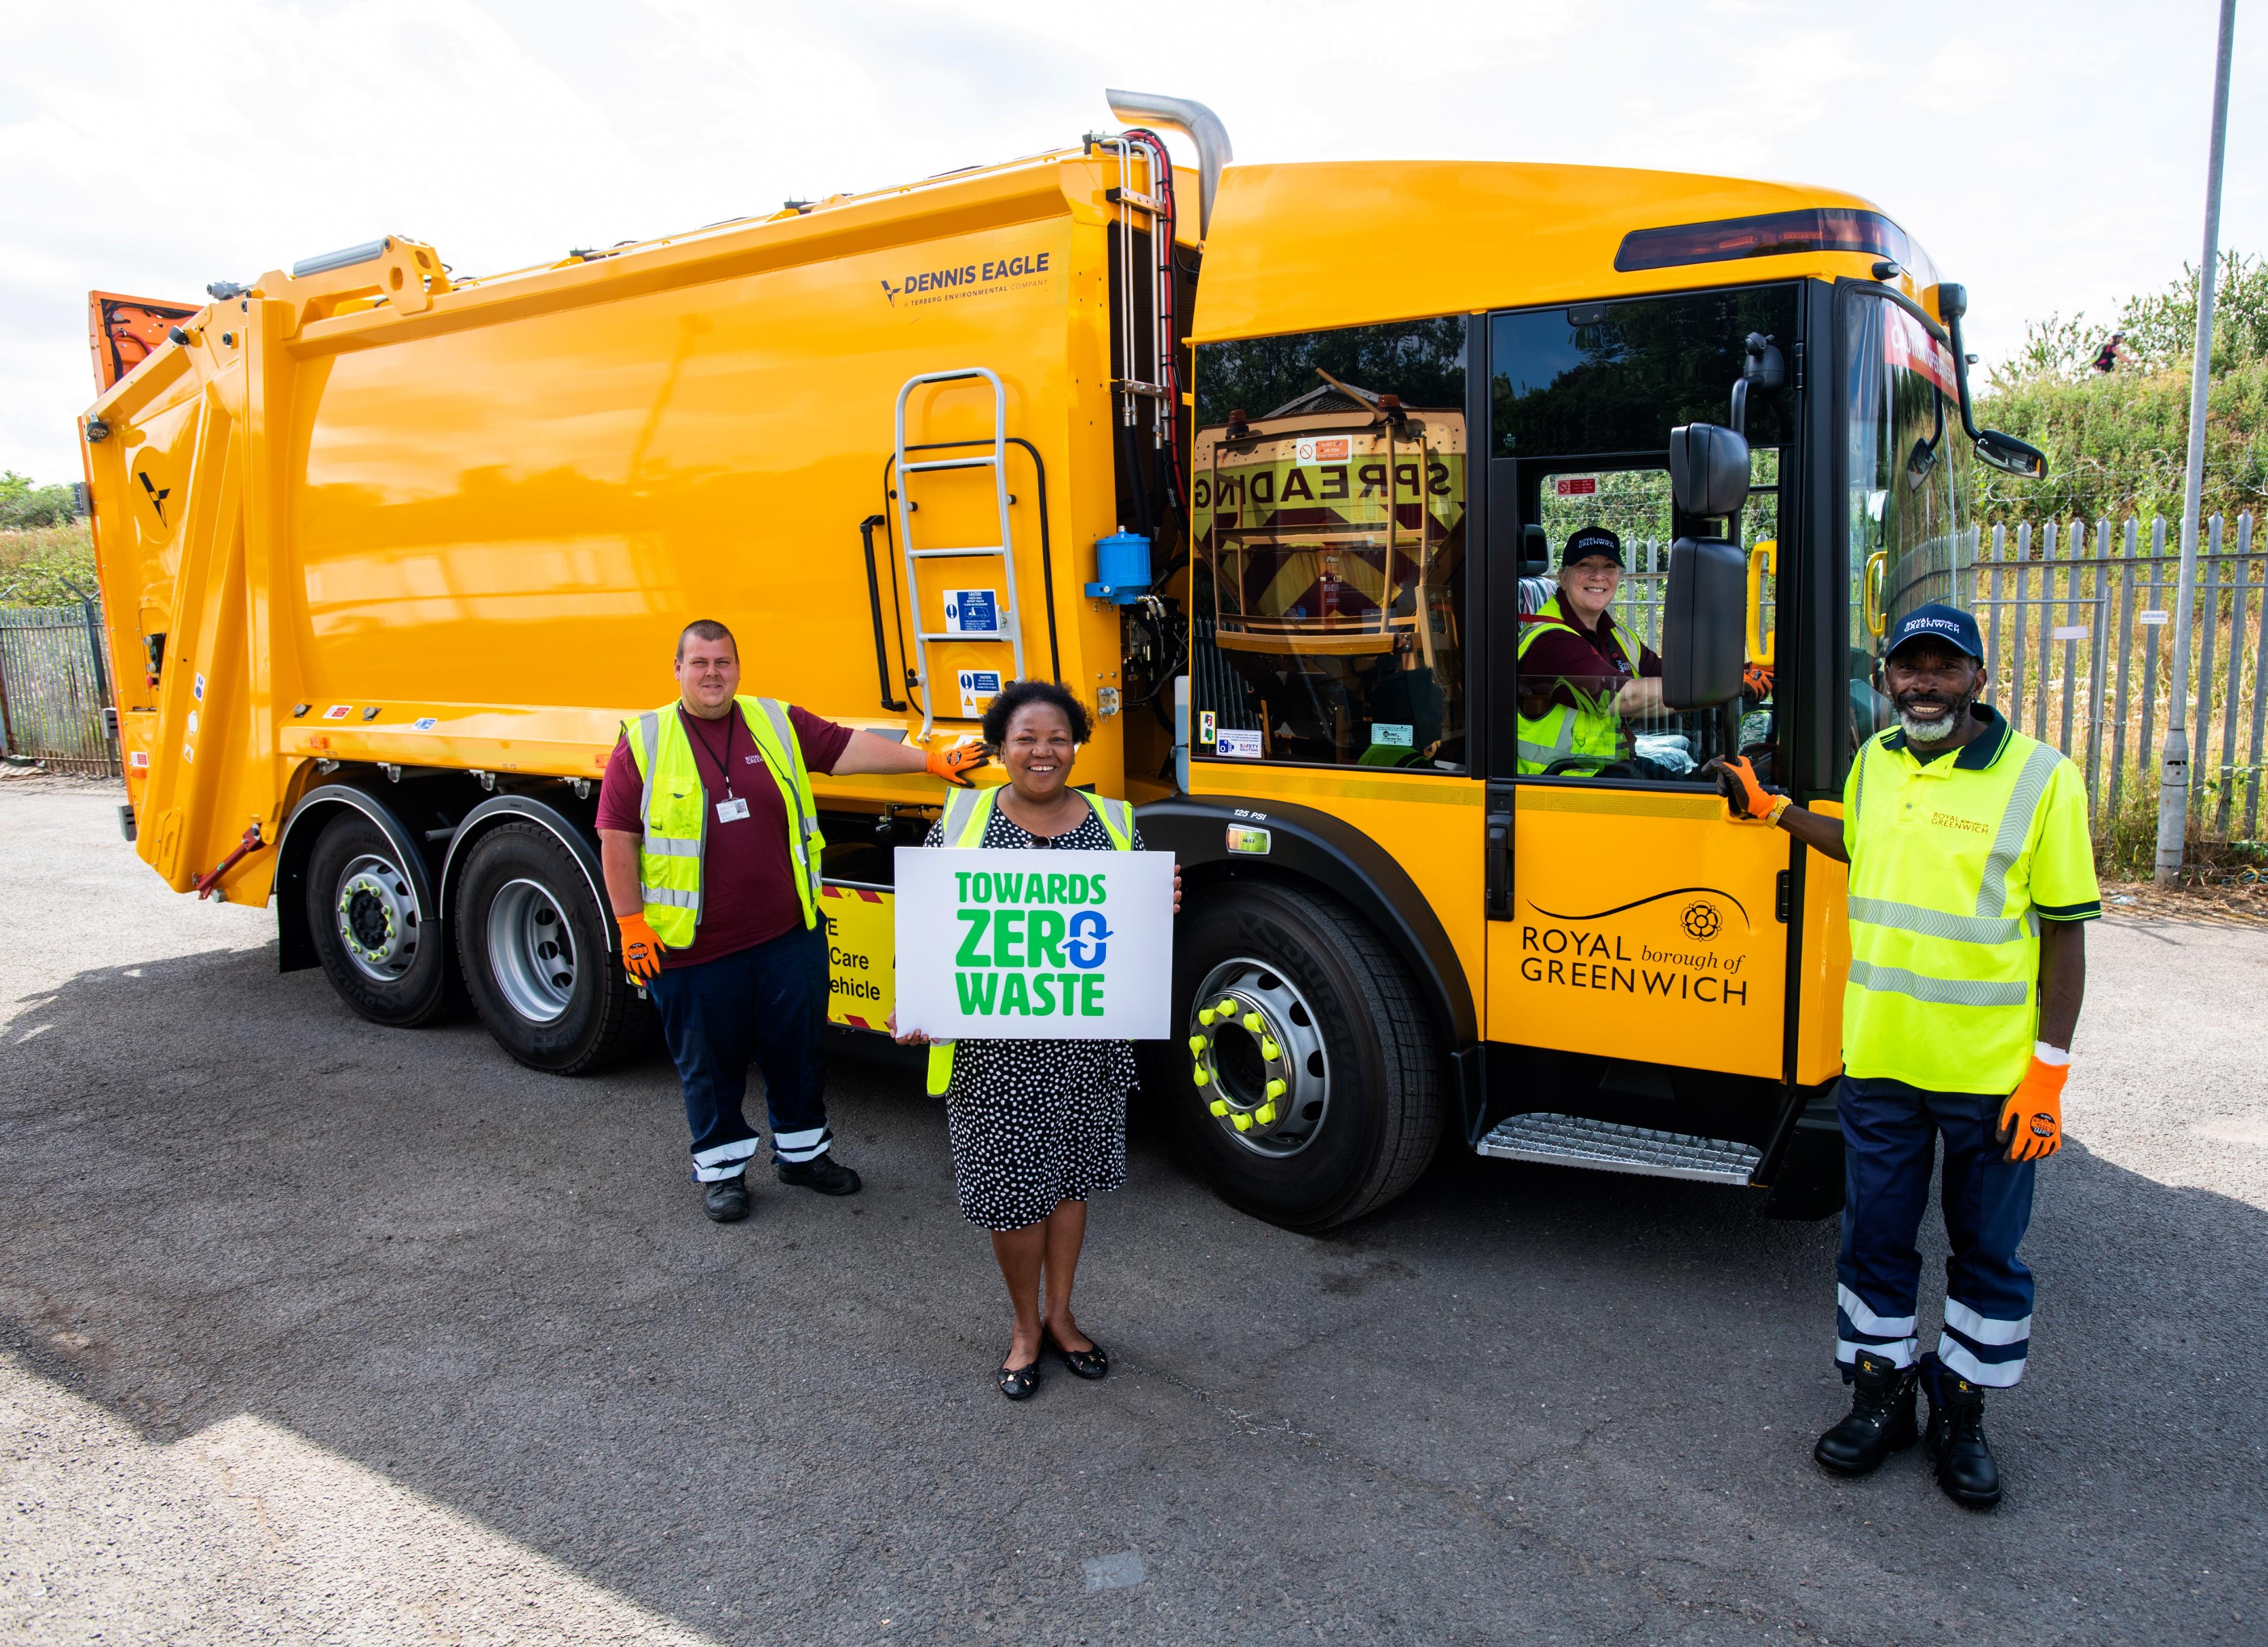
pixel 320 1333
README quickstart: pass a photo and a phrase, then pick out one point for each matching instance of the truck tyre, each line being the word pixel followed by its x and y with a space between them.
pixel 1304 1083
pixel 538 957
pixel 363 916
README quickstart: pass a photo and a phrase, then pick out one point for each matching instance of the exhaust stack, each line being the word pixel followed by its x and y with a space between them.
pixel 1194 121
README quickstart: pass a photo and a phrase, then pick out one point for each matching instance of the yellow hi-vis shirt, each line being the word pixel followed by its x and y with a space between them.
pixel 1953 864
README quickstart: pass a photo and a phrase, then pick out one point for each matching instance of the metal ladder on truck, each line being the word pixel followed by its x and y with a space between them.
pixel 1010 618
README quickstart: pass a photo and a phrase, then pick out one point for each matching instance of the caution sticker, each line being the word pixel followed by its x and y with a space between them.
pixel 972 611
pixel 978 688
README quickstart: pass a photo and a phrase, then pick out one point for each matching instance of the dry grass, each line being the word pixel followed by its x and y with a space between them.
pixel 38 566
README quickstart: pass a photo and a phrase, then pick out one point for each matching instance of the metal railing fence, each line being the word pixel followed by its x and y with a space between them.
pixel 54 690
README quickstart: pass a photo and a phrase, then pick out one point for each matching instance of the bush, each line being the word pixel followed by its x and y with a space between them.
pixel 40 566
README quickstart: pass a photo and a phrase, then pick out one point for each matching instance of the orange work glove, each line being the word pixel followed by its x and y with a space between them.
pixel 1756 679
pixel 1745 800
pixel 2031 1121
pixel 641 949
pixel 953 764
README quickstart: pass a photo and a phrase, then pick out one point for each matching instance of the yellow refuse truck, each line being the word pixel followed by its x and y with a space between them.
pixel 1267 463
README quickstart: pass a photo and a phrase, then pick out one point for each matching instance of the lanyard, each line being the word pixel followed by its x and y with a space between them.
pixel 725 765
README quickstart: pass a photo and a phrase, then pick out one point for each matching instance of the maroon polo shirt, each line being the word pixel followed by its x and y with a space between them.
pixel 1558 664
pixel 748 883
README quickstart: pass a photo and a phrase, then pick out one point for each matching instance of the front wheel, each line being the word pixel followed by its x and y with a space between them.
pixel 537 958
pixel 1306 1087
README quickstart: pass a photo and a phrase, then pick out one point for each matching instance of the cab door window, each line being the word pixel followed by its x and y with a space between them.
pixel 1583 398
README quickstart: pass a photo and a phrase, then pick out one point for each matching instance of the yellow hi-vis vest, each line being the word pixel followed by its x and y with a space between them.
pixel 675 808
pixel 967 812
pixel 1954 861
pixel 1591 728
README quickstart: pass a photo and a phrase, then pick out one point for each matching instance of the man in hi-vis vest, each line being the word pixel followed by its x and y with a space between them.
pixel 710 839
pixel 1972 877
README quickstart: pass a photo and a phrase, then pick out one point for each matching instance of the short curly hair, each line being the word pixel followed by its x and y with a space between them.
pixel 1019 694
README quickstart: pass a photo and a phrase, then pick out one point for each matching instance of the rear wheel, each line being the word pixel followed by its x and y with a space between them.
pixel 1307 1086
pixel 362 911
pixel 537 958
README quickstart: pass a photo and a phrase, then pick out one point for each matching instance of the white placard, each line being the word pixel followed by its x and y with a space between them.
pixel 2072 632
pixel 978 687
pixel 1006 945
pixel 1236 743
pixel 2150 617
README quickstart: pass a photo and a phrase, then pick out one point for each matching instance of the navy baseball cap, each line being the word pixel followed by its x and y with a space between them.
pixel 1589 541
pixel 1947 625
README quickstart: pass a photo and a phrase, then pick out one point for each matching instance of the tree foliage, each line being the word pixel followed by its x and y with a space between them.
pixel 2118 442
pixel 24 505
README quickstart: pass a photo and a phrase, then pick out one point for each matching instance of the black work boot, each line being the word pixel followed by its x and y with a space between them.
pixel 725 1201
pixel 823 1173
pixel 1881 1421
pixel 1956 1442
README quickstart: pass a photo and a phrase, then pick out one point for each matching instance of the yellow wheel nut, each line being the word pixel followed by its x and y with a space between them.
pixel 1252 1022
pixel 1198 1076
pixel 1197 1043
pixel 1275 1089
pixel 1205 1015
pixel 1243 1123
pixel 1219 1106
pixel 1227 1007
pixel 1270 1051
pixel 1264 1115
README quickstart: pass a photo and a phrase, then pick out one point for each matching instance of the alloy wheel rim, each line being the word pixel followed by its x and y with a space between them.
pixel 1259 1065
pixel 531 951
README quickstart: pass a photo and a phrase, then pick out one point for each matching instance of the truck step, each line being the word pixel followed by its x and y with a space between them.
pixel 1569 1141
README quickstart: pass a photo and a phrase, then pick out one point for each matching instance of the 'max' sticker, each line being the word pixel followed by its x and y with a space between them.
pixel 1244 746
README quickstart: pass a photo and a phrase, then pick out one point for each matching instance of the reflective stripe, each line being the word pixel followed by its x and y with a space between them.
pixel 738 1150
pixel 1983 1329
pixel 1993 1375
pixel 784 731
pixel 1944 991
pixel 1933 923
pixel 1898 1354
pixel 796 1148
pixel 967 810
pixel 1867 1321
pixel 2016 827
pixel 669 896
pixel 663 847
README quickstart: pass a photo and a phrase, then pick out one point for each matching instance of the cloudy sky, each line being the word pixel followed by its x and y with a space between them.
pixel 2050 155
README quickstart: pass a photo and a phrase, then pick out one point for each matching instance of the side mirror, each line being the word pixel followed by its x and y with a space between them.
pixel 2012 456
pixel 1708 470
pixel 1535 552
pixel 1703 621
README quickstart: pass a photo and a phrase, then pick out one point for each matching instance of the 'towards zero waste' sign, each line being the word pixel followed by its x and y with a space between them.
pixel 999 945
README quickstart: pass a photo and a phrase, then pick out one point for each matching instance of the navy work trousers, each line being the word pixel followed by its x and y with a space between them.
pixel 768 1002
pixel 1889 1142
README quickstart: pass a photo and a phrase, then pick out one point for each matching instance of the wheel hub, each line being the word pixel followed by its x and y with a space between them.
pixel 1260 1068
pixel 378 919
pixel 531 950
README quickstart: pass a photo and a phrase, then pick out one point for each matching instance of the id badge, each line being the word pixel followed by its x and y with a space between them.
pixel 730 811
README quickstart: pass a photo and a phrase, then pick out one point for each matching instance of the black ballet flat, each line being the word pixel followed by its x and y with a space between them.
pixel 1083 1364
pixel 1018 1383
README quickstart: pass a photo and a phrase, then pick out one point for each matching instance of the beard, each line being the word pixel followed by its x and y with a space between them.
pixel 1920 731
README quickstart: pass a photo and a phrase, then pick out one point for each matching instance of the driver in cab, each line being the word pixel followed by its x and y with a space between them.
pixel 1580 678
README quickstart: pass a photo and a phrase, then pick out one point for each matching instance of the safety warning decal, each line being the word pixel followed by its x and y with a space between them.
pixel 1576 485
pixel 338 712
pixel 861 950
pixel 978 687
pixel 1322 450
pixel 1236 744
pixel 1206 723
pixel 972 611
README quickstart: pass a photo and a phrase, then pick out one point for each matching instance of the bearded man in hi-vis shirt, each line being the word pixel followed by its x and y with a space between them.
pixel 1972 876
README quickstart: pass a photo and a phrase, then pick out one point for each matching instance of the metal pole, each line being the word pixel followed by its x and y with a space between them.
pixel 2174 770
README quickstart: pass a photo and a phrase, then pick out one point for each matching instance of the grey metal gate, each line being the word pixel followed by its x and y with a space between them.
pixel 53 690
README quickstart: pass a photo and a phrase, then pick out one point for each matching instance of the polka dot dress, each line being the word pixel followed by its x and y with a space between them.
pixel 1032 1123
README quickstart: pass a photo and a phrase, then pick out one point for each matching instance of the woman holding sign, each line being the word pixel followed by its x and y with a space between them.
pixel 1037 1127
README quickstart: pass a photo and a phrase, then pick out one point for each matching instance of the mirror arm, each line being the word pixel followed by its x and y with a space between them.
pixel 1740 418
pixel 1960 377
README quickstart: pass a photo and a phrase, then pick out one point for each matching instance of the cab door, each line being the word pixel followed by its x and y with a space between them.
pixel 1627 918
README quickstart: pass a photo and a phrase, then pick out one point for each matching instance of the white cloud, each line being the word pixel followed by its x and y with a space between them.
pixel 2048 155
